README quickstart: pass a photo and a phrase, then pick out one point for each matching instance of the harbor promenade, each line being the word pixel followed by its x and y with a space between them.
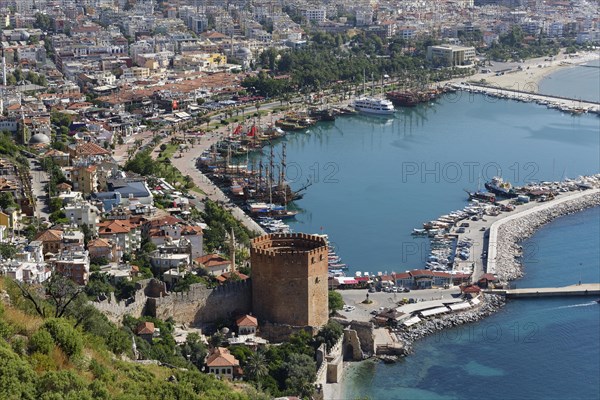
pixel 585 289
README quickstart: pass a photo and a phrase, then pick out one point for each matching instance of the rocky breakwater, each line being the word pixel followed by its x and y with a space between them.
pixel 508 261
pixel 489 304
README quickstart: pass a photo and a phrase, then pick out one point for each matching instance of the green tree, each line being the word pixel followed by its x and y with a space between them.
pixel 301 371
pixel 7 200
pixel 17 378
pixel 41 341
pixel 195 350
pixel 7 250
pixel 329 334
pixel 256 368
pixel 336 302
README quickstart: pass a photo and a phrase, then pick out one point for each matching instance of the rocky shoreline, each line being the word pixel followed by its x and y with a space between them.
pixel 509 262
pixel 489 305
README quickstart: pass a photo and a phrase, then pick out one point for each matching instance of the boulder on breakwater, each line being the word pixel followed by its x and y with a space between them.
pixel 509 263
pixel 407 336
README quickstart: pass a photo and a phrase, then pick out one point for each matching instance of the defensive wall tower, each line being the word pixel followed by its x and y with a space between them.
pixel 289 279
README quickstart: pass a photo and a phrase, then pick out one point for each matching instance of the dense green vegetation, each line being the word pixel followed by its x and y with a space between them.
pixel 512 46
pixel 83 357
pixel 220 223
pixel 18 76
pixel 290 368
pixel 338 62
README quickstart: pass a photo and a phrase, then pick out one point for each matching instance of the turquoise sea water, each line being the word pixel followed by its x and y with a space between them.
pixel 531 349
pixel 375 179
pixel 577 82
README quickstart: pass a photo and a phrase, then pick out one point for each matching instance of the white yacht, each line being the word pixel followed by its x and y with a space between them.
pixel 374 105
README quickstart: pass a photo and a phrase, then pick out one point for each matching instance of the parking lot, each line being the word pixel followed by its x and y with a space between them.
pixel 380 300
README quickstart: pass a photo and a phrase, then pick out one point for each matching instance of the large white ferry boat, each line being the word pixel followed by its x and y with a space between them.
pixel 374 105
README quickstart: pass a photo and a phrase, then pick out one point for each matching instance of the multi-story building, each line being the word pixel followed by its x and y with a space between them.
pixel 448 55
pixel 73 264
pixel 318 14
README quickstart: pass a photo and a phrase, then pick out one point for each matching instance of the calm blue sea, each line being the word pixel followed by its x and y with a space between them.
pixel 375 179
pixel 577 82
pixel 532 349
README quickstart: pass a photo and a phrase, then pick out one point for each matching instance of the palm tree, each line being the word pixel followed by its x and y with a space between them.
pixel 256 367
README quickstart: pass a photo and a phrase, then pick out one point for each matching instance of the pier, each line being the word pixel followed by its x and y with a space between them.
pixel 563 103
pixel 527 209
pixel 586 289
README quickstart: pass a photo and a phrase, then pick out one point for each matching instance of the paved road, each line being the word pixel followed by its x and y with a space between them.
pixel 40 178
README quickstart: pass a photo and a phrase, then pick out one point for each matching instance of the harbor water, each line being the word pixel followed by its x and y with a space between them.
pixel 577 82
pixel 531 349
pixel 374 179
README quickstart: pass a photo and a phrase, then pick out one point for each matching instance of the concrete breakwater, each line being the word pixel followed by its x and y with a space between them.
pixel 505 252
pixel 489 305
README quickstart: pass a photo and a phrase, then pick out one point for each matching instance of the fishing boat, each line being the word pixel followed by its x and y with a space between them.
pixel 501 188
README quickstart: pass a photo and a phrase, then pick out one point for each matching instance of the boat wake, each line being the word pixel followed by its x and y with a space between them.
pixel 591 303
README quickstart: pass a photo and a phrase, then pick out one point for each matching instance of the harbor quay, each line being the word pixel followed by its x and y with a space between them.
pixel 584 289
pixel 575 106
pixel 505 233
pixel 396 323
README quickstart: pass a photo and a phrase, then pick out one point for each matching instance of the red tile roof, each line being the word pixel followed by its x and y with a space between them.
pixel 90 149
pixel 247 320
pixel 50 235
pixel 221 357
pixel 145 328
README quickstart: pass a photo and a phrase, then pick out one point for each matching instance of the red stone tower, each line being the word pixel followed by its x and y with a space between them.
pixel 289 279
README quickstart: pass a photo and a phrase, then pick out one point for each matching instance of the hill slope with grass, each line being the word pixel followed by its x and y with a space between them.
pixel 69 358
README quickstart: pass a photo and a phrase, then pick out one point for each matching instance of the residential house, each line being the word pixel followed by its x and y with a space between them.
pixel 231 276
pixel 88 152
pixel 121 232
pixel 103 248
pixel 84 178
pixel 214 263
pixel 246 325
pixel 145 330
pixel 73 264
pixel 172 276
pixel 194 235
pixel 51 240
pixel 8 218
pixel 83 213
pixel 223 364
pixel 165 261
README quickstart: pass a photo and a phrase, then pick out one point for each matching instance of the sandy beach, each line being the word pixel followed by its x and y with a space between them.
pixel 532 72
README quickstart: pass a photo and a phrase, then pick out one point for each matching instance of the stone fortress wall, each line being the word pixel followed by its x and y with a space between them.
pixel 200 306
pixel 289 279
